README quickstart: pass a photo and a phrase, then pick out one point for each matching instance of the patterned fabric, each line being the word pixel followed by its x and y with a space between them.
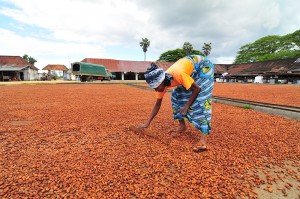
pixel 154 76
pixel 200 111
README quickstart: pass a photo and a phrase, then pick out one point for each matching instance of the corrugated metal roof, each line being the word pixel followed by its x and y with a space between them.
pixel 221 68
pixel 120 65
pixel 55 67
pixel 15 62
pixel 11 68
pixel 295 70
pixel 275 66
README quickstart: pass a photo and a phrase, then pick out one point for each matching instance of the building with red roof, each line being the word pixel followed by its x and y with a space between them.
pixel 16 68
pixel 281 68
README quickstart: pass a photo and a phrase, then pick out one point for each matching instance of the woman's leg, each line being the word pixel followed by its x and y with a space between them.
pixel 202 141
pixel 182 126
pixel 180 129
pixel 204 130
pixel 179 99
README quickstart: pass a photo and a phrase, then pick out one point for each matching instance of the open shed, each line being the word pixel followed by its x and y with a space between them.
pixel 55 67
pixel 15 68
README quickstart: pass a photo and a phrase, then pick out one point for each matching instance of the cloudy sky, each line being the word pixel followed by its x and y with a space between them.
pixel 65 31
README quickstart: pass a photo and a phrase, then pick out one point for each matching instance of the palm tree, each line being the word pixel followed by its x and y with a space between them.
pixel 187 47
pixel 206 49
pixel 29 59
pixel 145 43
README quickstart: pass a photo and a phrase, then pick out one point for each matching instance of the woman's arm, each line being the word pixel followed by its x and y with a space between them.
pixel 195 91
pixel 153 113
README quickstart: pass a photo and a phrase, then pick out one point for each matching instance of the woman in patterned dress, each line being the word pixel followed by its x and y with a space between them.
pixel 193 77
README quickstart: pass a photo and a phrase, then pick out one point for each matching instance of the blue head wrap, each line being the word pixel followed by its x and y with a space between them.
pixel 154 76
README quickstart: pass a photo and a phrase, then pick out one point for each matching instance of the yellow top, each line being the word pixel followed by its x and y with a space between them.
pixel 181 72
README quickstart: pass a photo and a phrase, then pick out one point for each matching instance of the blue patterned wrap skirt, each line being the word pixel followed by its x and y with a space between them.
pixel 200 111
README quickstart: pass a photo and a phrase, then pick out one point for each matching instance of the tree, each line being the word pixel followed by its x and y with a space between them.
pixel 145 43
pixel 174 55
pixel 29 59
pixel 270 48
pixel 187 47
pixel 206 49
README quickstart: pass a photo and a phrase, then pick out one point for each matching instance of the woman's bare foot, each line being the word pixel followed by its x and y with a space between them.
pixel 199 149
pixel 181 128
pixel 201 145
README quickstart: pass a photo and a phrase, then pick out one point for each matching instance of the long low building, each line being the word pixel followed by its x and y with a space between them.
pixel 281 69
pixel 288 69
pixel 133 70
pixel 125 70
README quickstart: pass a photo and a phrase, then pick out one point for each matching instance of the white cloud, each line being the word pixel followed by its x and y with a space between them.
pixel 46 52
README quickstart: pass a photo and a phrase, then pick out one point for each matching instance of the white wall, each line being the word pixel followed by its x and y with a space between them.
pixel 30 74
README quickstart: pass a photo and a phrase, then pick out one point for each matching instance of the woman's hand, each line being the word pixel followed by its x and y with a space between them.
pixel 154 111
pixel 184 111
pixel 195 91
